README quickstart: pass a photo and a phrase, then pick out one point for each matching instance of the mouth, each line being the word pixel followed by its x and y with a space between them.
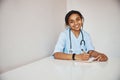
pixel 76 26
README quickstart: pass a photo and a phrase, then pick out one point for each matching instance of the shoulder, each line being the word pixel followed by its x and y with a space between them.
pixel 85 33
pixel 65 32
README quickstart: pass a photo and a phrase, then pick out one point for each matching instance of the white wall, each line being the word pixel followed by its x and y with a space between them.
pixel 102 21
pixel 28 30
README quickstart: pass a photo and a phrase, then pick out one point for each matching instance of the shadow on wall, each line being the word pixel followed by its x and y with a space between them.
pixel 1 1
pixel 118 2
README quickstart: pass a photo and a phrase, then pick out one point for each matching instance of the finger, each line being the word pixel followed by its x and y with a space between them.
pixel 99 59
pixel 96 59
pixel 86 56
pixel 102 59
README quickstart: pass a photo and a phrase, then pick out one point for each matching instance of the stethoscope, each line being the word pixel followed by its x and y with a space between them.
pixel 82 42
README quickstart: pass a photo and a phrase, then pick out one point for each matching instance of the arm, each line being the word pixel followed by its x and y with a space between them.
pixel 98 56
pixel 63 56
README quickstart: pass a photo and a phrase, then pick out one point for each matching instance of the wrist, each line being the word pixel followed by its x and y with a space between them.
pixel 78 57
pixel 73 56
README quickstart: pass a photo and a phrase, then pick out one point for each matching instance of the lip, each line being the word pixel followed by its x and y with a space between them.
pixel 77 26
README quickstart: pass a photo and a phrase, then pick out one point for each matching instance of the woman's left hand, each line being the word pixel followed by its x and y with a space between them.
pixel 101 57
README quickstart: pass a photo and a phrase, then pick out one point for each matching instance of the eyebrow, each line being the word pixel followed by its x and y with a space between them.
pixel 73 20
pixel 78 18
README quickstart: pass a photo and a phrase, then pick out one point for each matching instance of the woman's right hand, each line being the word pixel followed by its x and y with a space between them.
pixel 83 57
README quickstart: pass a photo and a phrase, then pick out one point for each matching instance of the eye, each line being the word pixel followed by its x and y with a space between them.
pixel 71 21
pixel 78 19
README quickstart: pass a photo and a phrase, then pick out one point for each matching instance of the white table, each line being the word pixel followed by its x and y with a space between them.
pixel 52 69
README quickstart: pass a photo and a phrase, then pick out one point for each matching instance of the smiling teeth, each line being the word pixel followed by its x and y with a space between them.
pixel 76 26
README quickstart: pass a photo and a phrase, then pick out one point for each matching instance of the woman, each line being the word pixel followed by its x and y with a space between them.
pixel 74 43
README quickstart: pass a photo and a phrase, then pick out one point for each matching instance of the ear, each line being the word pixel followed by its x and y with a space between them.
pixel 82 22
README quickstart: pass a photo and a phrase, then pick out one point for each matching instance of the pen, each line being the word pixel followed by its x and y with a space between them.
pixel 83 51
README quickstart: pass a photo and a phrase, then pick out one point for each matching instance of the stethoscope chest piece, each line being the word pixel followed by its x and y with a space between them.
pixel 82 43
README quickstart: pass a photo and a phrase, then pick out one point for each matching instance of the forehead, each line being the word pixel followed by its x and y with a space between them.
pixel 74 16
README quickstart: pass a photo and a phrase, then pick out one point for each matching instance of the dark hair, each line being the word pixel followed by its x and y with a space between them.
pixel 70 13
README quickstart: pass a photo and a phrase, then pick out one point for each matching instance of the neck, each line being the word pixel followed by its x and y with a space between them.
pixel 76 33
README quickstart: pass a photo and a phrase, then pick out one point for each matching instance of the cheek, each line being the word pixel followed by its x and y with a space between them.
pixel 71 24
pixel 80 22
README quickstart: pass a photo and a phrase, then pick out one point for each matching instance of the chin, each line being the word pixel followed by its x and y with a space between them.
pixel 77 29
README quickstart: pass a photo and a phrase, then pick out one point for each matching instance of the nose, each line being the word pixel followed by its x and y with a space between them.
pixel 76 22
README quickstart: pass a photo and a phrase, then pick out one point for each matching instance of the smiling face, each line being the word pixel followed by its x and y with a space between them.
pixel 75 22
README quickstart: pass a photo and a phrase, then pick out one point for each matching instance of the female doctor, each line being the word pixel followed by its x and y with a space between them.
pixel 74 43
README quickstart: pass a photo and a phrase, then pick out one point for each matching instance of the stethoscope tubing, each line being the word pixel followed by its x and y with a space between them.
pixel 81 42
